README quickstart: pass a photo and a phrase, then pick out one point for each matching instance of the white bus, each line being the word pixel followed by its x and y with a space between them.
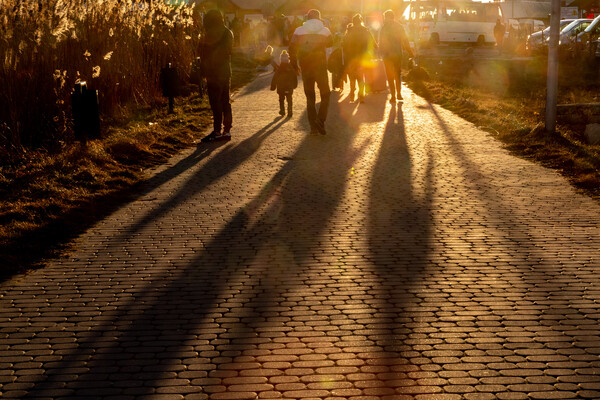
pixel 453 21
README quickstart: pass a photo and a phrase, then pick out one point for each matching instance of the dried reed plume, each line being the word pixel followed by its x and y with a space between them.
pixel 118 47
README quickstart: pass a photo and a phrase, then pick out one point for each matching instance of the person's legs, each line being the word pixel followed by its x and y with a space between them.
pixel 308 82
pixel 214 99
pixel 390 73
pixel 289 103
pixel 361 83
pixel 353 80
pixel 322 80
pixel 353 76
pixel 282 103
pixel 397 63
pixel 226 105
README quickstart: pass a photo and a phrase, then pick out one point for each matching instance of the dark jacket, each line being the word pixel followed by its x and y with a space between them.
pixel 358 42
pixel 335 63
pixel 285 78
pixel 392 39
pixel 215 53
pixel 309 44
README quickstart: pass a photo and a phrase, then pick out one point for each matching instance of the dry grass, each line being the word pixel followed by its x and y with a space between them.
pixel 516 117
pixel 118 47
pixel 49 197
pixel 51 187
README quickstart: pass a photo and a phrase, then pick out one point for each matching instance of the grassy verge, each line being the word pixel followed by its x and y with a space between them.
pixel 516 119
pixel 50 198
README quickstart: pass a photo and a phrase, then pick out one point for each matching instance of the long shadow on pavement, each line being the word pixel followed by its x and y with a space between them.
pixel 400 240
pixel 186 331
pixel 523 289
pixel 228 159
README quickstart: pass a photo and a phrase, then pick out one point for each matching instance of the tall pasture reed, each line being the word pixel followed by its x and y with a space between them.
pixel 117 46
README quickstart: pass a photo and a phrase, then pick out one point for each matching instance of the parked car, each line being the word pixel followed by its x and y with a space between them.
pixel 538 40
pixel 529 26
pixel 571 33
pixel 591 36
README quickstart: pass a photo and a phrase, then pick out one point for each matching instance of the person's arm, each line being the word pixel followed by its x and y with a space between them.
pixel 405 43
pixel 293 48
pixel 329 41
pixel 229 42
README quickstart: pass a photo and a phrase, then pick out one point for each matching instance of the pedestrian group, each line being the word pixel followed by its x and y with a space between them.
pixel 350 59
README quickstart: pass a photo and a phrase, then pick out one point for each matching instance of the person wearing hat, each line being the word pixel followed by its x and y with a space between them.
pixel 308 48
pixel 285 80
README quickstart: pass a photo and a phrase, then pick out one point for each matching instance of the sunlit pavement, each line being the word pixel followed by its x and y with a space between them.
pixel 405 255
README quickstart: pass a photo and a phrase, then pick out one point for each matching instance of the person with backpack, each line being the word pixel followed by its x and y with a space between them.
pixel 285 80
pixel 358 46
pixel 308 48
pixel 392 40
pixel 215 54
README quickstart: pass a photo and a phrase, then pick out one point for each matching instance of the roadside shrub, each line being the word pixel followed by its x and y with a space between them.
pixel 118 47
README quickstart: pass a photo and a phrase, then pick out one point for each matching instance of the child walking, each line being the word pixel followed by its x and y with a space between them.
pixel 285 80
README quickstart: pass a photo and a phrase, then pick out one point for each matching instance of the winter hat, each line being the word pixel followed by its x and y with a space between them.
pixel 284 57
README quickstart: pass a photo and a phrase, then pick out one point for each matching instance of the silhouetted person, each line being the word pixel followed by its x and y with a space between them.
pixel 335 64
pixel 215 52
pixel 357 46
pixel 236 28
pixel 285 80
pixel 308 48
pixel 499 31
pixel 392 39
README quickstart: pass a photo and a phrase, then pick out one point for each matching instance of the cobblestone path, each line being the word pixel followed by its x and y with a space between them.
pixel 405 255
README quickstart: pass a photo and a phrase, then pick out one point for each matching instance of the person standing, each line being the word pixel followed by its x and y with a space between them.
pixel 285 80
pixel 499 31
pixel 308 48
pixel 215 54
pixel 358 46
pixel 392 40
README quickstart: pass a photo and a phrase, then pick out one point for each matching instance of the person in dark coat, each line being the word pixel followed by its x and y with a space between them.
pixel 358 46
pixel 392 40
pixel 308 47
pixel 499 31
pixel 285 80
pixel 335 64
pixel 215 53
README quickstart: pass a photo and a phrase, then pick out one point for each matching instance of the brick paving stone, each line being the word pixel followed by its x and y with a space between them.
pixel 404 255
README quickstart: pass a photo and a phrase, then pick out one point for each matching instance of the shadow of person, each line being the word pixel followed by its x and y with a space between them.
pixel 399 242
pixel 227 160
pixel 195 321
pixel 373 108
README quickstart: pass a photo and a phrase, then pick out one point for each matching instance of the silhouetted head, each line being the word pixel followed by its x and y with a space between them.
pixel 284 57
pixel 357 20
pixel 313 14
pixel 213 19
pixel 388 15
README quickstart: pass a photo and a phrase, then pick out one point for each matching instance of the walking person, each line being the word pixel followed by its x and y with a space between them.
pixel 285 80
pixel 358 46
pixel 215 52
pixel 392 40
pixel 308 48
pixel 335 64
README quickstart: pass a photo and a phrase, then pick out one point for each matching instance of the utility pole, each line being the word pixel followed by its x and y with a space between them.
pixel 552 82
